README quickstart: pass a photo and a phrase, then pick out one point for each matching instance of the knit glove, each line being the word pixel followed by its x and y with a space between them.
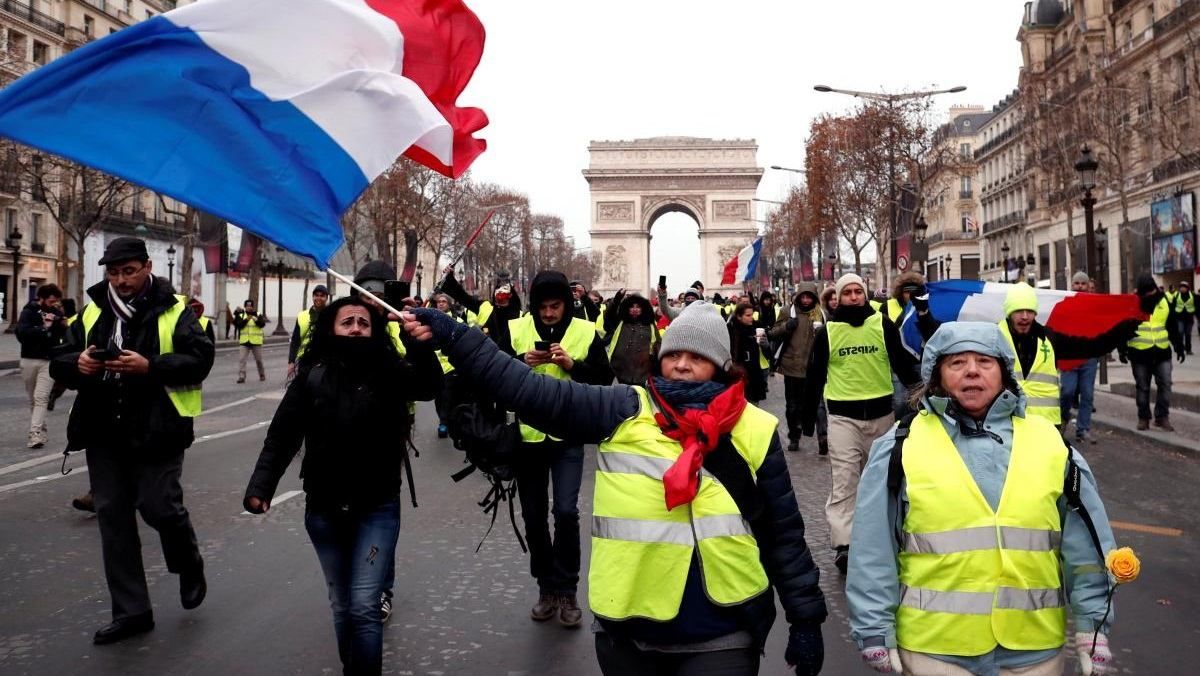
pixel 445 330
pixel 921 302
pixel 882 659
pixel 805 650
pixel 1099 662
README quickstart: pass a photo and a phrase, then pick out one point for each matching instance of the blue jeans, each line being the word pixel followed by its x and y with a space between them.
pixel 554 563
pixel 356 548
pixel 1078 382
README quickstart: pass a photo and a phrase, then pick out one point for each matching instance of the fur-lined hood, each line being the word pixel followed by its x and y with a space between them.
pixel 907 278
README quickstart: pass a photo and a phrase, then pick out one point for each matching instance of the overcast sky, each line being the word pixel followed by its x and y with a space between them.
pixel 556 75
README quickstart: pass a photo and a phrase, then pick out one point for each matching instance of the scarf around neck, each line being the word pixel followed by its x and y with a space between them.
pixel 124 311
pixel 696 415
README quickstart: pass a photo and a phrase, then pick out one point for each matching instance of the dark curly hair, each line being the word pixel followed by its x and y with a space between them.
pixel 320 349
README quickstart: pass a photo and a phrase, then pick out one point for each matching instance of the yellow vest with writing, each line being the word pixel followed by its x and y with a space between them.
pixel 1041 384
pixel 187 399
pixel 641 552
pixel 1153 332
pixel 971 577
pixel 575 342
pixel 859 368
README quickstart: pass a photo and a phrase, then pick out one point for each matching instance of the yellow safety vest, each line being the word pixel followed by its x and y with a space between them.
pixel 252 334
pixel 187 399
pixel 641 552
pixel 485 312
pixel 1153 332
pixel 1041 385
pixel 612 344
pixel 876 304
pixel 447 367
pixel 859 368
pixel 894 310
pixel 1188 306
pixel 600 321
pixel 972 578
pixel 575 342
pixel 393 331
pixel 203 323
pixel 304 325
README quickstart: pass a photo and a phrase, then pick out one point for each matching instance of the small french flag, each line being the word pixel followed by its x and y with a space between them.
pixel 741 267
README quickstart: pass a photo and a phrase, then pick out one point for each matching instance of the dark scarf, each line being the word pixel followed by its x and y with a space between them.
pixel 696 415
pixel 854 315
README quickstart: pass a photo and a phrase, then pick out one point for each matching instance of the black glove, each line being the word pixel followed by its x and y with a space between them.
pixel 445 330
pixel 805 649
pixel 920 302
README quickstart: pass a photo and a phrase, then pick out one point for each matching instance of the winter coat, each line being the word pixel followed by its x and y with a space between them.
pixel 133 413
pixel 637 341
pixel 37 341
pixel 796 330
pixel 588 415
pixel 745 349
pixel 353 422
pixel 872 584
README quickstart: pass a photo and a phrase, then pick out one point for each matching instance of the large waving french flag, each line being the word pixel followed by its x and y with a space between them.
pixel 741 267
pixel 272 114
pixel 1068 313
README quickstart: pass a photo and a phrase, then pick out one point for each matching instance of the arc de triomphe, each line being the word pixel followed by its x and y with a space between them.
pixel 632 183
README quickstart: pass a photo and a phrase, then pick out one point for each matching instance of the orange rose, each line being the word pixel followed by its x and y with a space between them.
pixel 1123 564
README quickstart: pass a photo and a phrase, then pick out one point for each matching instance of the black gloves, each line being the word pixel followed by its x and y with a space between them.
pixel 921 302
pixel 805 649
pixel 445 330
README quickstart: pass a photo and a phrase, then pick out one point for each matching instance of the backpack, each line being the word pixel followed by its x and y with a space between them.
pixel 491 444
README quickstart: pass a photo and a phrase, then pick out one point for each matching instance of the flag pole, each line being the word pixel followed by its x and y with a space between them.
pixel 363 291
pixel 471 240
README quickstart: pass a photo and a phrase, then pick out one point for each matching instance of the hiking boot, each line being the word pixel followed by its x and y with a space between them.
pixel 569 614
pixel 1085 437
pixel 842 559
pixel 794 446
pixel 822 447
pixel 443 432
pixel 1143 424
pixel 1165 424
pixel 84 503
pixel 545 608
pixel 241 380
pixel 385 606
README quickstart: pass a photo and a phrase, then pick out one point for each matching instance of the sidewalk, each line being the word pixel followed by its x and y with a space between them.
pixel 10 349
pixel 1185 383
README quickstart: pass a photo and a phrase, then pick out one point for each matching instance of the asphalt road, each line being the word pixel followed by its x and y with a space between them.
pixel 457 612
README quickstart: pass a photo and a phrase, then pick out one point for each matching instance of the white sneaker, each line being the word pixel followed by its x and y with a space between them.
pixel 385 605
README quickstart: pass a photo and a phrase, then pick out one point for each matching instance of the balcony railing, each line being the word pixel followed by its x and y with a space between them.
pixel 33 16
pixel 966 194
pixel 952 236
pixel 1004 137
pixel 1003 222
pixel 1172 168
pixel 1178 16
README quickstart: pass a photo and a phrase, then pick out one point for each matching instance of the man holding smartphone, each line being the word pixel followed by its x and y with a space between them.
pixel 557 344
pixel 40 329
pixel 137 357
pixel 250 325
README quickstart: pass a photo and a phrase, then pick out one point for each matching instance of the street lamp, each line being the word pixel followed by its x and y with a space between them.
pixel 171 264
pixel 890 100
pixel 280 330
pixel 264 264
pixel 14 245
pixel 920 228
pixel 420 271
pixel 1086 168
pixel 1004 256
pixel 776 167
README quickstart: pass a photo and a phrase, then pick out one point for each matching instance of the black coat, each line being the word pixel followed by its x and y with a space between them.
pixel 134 412
pixel 37 341
pixel 353 422
pixel 589 414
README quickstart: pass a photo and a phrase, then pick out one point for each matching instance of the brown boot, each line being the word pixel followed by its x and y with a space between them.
pixel 545 608
pixel 1143 424
pixel 84 503
pixel 1165 424
pixel 569 614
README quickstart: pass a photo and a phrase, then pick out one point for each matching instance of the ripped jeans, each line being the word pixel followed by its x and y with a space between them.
pixel 356 548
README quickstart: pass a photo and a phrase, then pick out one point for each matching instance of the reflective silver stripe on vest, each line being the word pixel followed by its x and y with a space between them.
pixel 639 530
pixel 979 603
pixel 982 537
pixel 631 463
pixel 1043 402
pixel 720 526
pixel 1041 378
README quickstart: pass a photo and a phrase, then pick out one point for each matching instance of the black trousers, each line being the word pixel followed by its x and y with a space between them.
pixel 123 487
pixel 553 558
pixel 621 657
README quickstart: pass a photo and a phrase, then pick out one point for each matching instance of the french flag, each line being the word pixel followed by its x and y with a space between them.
pixel 741 267
pixel 1068 313
pixel 271 114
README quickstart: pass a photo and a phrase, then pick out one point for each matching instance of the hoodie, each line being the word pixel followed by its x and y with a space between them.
pixel 796 330
pixel 552 285
pixel 636 340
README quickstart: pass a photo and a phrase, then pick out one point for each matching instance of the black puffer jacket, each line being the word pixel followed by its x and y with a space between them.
pixel 590 414
pixel 133 413
pixel 37 341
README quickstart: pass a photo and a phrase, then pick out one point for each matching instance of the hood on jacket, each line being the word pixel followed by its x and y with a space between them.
pixel 803 288
pixel 981 337
pixel 631 300
pixel 548 285
pixel 1146 284
pixel 906 279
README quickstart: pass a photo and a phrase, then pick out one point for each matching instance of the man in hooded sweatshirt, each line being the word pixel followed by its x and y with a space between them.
pixel 631 333
pixel 796 331
pixel 1149 353
pixel 553 342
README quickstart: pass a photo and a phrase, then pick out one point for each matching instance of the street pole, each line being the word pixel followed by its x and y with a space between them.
pixel 280 330
pixel 1086 167
pixel 14 243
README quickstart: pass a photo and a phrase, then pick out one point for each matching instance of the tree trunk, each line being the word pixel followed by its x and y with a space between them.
pixel 77 274
pixel 190 219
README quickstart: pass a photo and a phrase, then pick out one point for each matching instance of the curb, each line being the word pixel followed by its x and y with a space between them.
pixel 1168 440
pixel 1180 400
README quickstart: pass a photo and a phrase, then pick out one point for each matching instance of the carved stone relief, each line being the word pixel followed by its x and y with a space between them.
pixel 726 252
pixel 616 268
pixel 620 212
pixel 731 210
pixel 664 183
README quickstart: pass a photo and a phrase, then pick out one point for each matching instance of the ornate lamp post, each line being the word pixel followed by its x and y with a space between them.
pixel 14 245
pixel 1004 256
pixel 264 264
pixel 1029 264
pixel 1086 168
pixel 420 274
pixel 1102 260
pixel 280 330
pixel 171 264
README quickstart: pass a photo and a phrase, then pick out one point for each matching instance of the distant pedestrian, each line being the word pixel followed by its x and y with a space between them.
pixel 748 344
pixel 632 336
pixel 1149 353
pixel 347 405
pixel 137 357
pixel 491 316
pixel 1185 312
pixel 302 331
pixel 250 330
pixel 1079 384
pixel 229 323
pixel 796 332
pixel 41 327
pixel 205 323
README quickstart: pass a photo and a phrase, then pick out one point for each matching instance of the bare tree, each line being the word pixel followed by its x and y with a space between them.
pixel 1107 115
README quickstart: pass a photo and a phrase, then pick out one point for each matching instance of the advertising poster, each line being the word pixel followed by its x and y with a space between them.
pixel 1173 228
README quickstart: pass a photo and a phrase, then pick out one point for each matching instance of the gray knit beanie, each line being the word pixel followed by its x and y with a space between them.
pixel 701 330
pixel 1080 277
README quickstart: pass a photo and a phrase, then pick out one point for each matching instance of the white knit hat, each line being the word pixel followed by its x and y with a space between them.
pixel 847 279
pixel 701 330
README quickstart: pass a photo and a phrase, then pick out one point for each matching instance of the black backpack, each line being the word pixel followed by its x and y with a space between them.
pixel 491 444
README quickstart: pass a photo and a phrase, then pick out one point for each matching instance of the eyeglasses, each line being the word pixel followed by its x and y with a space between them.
pixel 127 271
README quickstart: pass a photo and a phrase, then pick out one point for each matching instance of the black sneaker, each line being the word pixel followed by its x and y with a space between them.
pixel 822 447
pixel 842 559
pixel 385 606
pixel 794 446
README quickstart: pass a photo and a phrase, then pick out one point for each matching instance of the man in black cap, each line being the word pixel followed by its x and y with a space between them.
pixel 137 397
pixel 305 321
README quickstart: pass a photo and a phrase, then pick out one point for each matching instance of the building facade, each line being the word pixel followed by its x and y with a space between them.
pixel 1003 193
pixel 951 209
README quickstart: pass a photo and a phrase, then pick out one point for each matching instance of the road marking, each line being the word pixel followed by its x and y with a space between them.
pixel 1139 528
pixel 30 463
pixel 231 404
pixel 282 497
pixel 83 470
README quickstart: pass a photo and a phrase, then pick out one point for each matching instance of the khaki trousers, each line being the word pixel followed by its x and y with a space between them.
pixel 38 383
pixel 247 350
pixel 849 444
pixel 920 664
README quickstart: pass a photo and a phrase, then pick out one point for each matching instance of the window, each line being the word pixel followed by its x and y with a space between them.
pixel 35 228
pixel 964 149
pixel 35 182
pixel 41 53
pixel 17 45
pixel 964 185
pixel 10 222
pixel 965 222
pixel 89 26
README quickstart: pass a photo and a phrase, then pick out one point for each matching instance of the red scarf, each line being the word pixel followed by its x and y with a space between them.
pixel 698 431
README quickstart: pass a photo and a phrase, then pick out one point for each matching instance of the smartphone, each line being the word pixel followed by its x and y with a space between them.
pixel 395 291
pixel 541 345
pixel 662 281
pixel 105 354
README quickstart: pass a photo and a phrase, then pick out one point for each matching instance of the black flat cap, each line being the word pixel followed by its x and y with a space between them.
pixel 124 249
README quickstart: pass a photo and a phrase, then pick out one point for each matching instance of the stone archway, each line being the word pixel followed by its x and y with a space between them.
pixel 632 183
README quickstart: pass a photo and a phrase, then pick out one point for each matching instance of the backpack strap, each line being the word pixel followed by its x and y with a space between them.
pixel 896 468
pixel 1075 503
